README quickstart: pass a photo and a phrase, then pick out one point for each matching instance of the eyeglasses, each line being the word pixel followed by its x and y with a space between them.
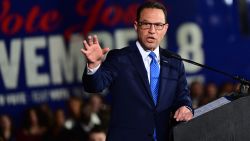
pixel 146 25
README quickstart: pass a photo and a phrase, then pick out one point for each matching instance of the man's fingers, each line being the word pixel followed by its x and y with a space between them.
pixel 186 117
pixel 95 39
pixel 189 116
pixel 84 52
pixel 90 40
pixel 180 116
pixel 105 50
pixel 176 114
pixel 85 44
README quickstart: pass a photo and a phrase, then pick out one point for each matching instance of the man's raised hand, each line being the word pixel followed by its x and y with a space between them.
pixel 93 51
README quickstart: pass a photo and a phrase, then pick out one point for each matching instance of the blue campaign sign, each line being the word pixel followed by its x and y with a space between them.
pixel 215 33
pixel 40 41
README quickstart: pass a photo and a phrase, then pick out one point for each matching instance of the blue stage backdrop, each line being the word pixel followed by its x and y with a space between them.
pixel 40 41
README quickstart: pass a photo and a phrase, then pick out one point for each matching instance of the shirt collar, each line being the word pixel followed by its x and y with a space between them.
pixel 145 53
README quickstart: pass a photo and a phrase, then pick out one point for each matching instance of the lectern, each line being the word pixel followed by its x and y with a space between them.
pixel 230 122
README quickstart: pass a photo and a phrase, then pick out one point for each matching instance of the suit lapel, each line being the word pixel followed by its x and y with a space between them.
pixel 137 61
pixel 164 71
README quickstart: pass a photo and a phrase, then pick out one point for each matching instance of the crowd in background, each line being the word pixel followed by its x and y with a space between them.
pixel 83 120
pixel 86 119
pixel 202 94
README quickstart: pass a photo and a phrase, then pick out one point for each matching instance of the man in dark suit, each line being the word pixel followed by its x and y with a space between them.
pixel 145 84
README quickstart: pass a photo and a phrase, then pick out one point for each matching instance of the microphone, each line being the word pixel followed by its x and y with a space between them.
pixel 244 84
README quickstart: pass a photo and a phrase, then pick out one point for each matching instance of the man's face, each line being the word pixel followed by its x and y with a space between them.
pixel 151 36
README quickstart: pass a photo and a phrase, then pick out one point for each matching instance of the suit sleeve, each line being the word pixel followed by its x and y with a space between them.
pixel 103 77
pixel 182 97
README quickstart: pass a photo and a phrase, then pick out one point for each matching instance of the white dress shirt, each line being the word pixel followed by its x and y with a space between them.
pixel 146 59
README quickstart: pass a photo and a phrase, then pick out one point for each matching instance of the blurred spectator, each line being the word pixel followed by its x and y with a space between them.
pixel 45 115
pixel 81 128
pixel 203 101
pixel 74 108
pixel 211 91
pixel 237 87
pixel 226 89
pixel 100 112
pixel 59 119
pixel 32 129
pixel 89 119
pixel 6 129
pixel 96 105
pixel 96 102
pixel 57 132
pixel 196 92
pixel 97 134
pixel 105 116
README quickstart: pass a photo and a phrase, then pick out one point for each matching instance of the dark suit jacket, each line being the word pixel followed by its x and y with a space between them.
pixel 134 115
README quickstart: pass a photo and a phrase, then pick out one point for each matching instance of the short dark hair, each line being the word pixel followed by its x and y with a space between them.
pixel 150 4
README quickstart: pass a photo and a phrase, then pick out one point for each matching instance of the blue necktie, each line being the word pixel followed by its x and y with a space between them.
pixel 154 83
pixel 154 76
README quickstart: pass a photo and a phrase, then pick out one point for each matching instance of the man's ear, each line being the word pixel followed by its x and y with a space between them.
pixel 135 25
pixel 166 27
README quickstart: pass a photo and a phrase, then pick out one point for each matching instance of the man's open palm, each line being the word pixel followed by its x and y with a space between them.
pixel 93 51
